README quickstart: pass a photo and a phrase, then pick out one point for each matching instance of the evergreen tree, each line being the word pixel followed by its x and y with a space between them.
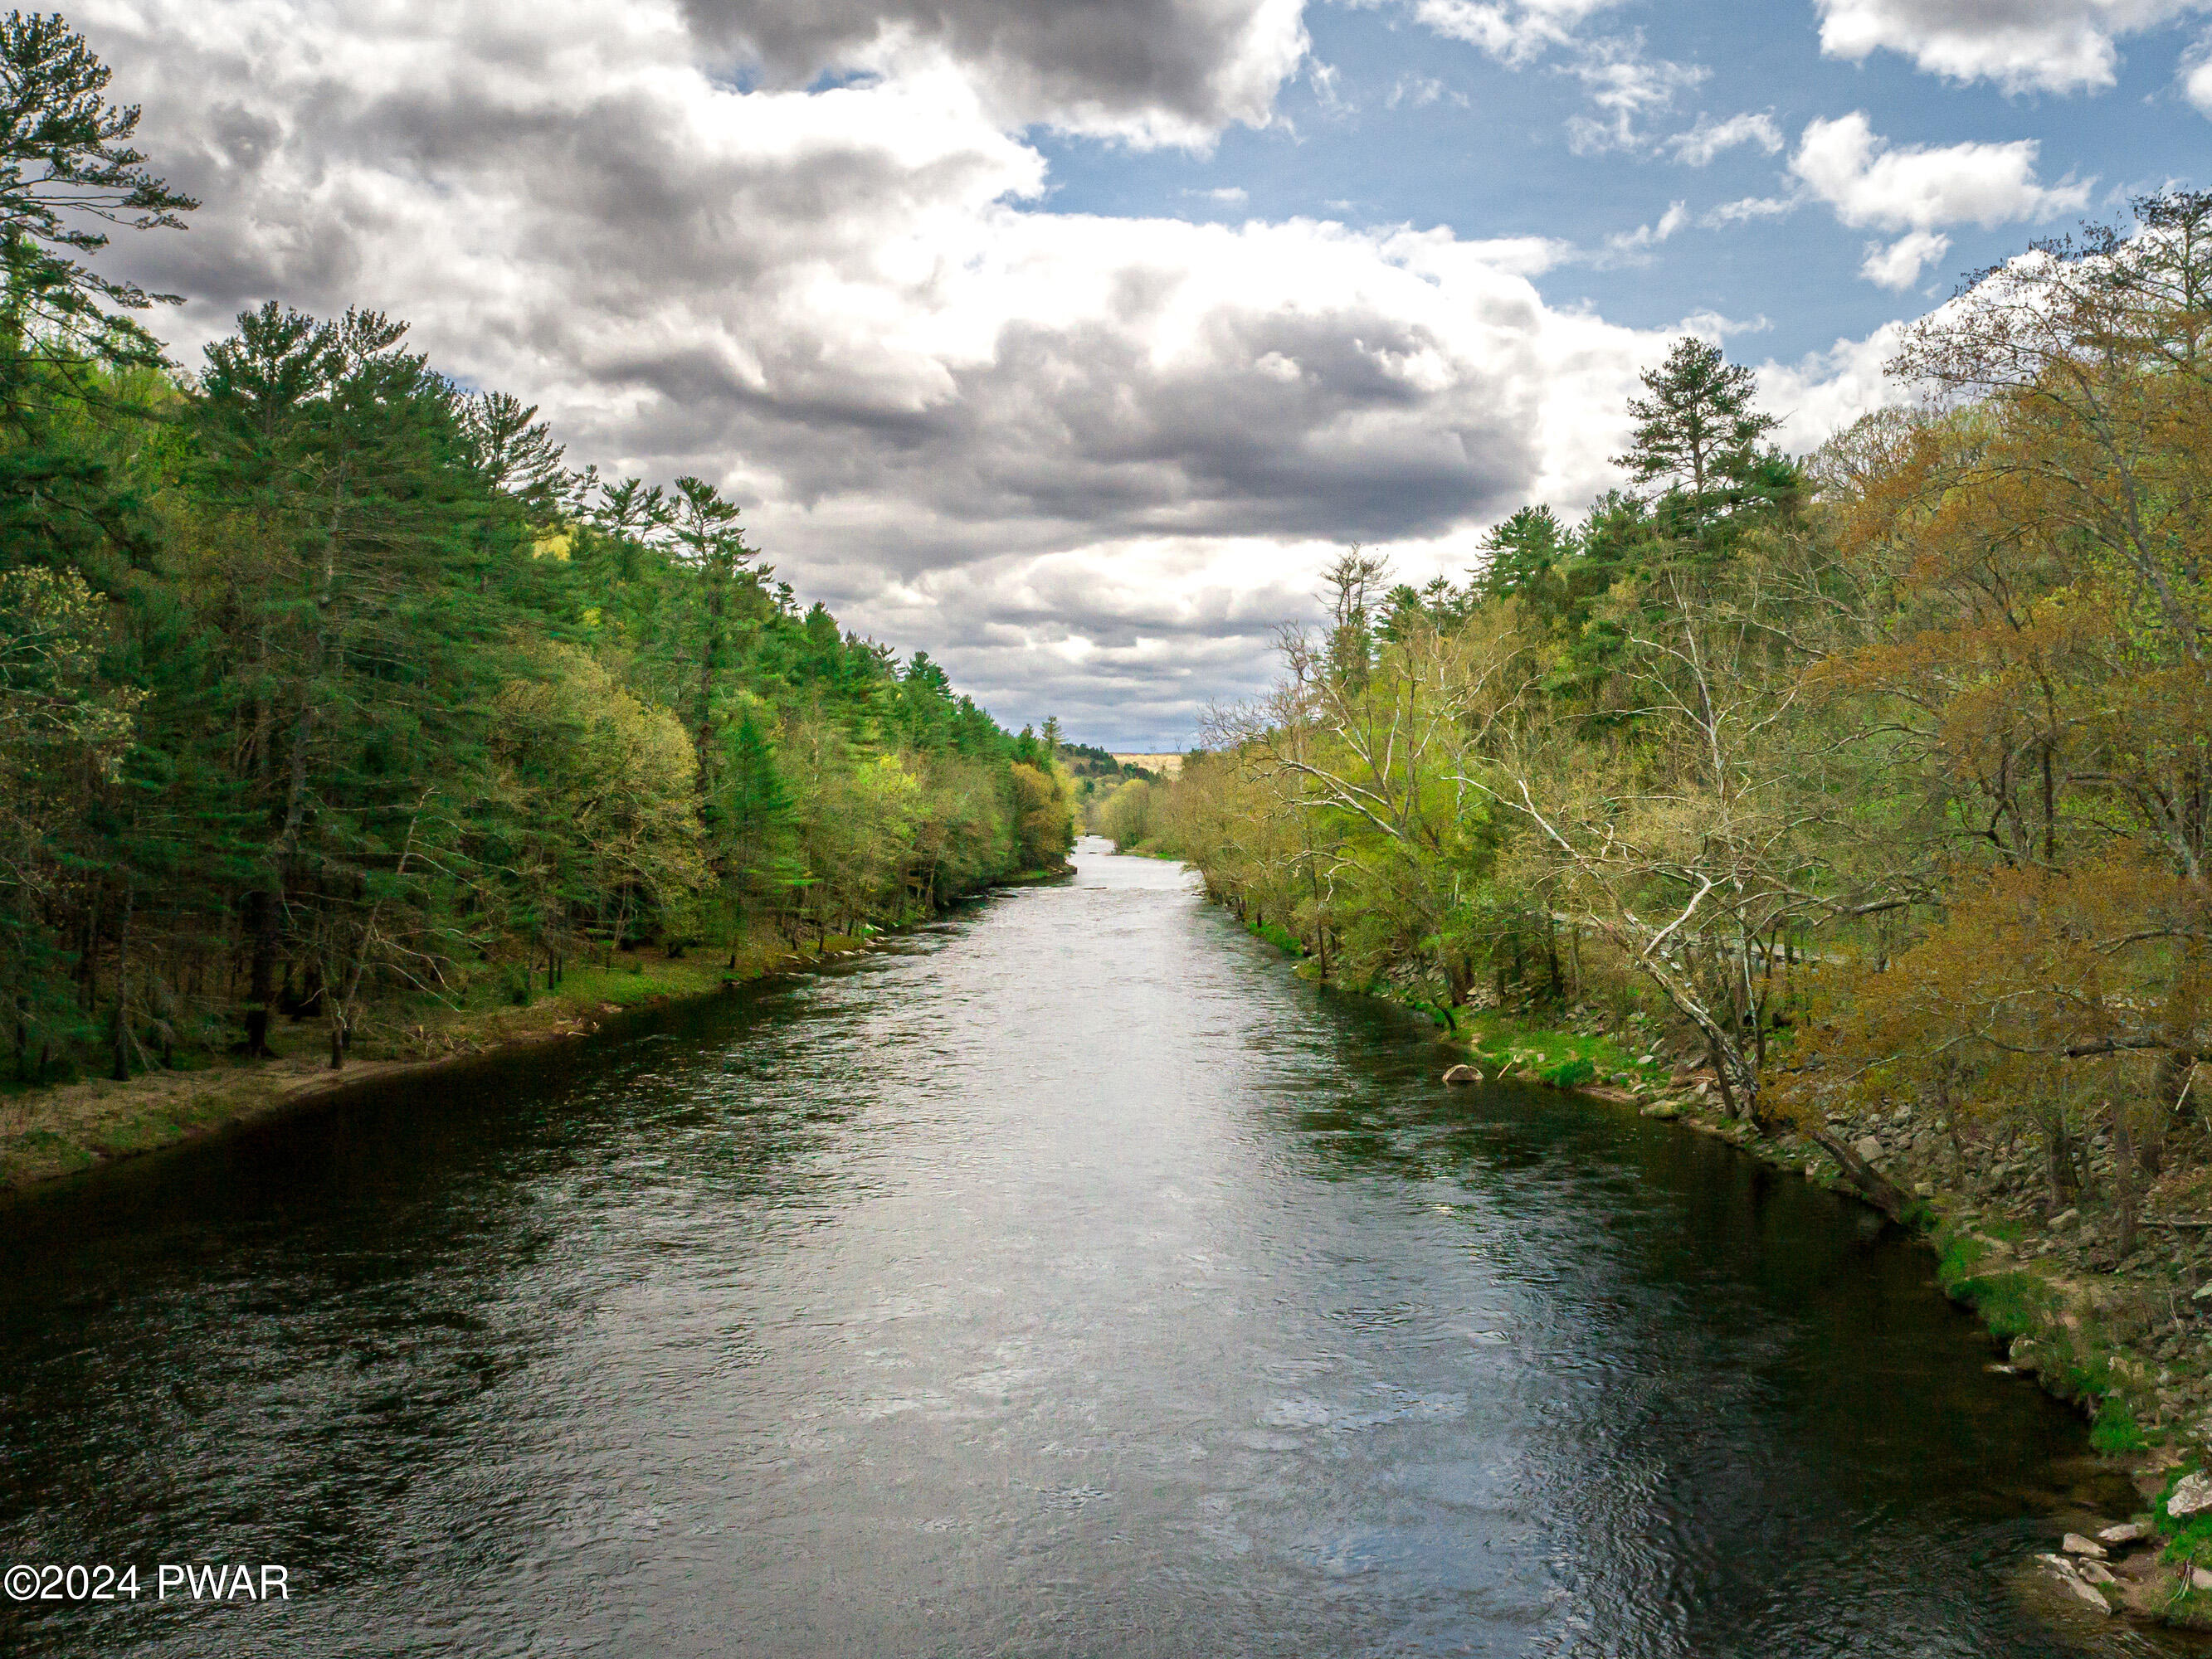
pixel 1697 429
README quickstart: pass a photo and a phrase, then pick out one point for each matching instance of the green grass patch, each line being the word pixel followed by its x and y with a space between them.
pixel 1277 935
pixel 2010 1304
pixel 2189 1539
pixel 1565 1058
pixel 2116 1429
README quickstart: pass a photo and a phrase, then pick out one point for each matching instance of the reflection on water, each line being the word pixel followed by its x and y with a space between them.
pixel 1066 1279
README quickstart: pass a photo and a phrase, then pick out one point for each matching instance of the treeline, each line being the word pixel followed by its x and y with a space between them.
pixel 1884 771
pixel 325 683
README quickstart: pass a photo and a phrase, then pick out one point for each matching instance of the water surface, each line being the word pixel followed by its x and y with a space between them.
pixel 1067 1278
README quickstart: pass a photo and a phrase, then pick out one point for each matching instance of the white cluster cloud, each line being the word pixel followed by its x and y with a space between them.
pixel 2051 45
pixel 1825 391
pixel 1897 266
pixel 1916 188
pixel 2196 78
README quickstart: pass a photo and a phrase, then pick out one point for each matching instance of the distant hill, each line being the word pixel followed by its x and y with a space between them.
pixel 1166 765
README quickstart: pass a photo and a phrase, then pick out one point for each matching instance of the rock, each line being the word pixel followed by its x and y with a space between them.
pixel 1867 1147
pixel 2128 1532
pixel 2087 1592
pixel 1923 1189
pixel 2199 1579
pixel 2074 1543
pixel 1461 1074
pixel 2194 1493
pixel 2064 1219
pixel 1663 1109
pixel 2096 1572
pixel 2202 1293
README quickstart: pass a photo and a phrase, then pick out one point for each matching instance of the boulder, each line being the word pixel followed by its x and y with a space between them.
pixel 2128 1532
pixel 1867 1147
pixel 2074 1543
pixel 2194 1493
pixel 1662 1109
pixel 2096 1572
pixel 2200 1579
pixel 1461 1074
pixel 2087 1592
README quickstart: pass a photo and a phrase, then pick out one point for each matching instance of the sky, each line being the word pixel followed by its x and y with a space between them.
pixel 1067 340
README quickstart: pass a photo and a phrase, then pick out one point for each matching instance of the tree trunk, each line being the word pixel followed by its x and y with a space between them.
pixel 261 985
pixel 2058 1163
pixel 2124 1175
pixel 1870 1183
pixel 122 1072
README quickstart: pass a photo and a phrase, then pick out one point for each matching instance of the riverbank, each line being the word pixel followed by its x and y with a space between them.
pixel 52 1132
pixel 2128 1342
pixel 59 1130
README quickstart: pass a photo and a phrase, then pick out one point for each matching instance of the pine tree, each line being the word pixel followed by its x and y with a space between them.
pixel 1698 428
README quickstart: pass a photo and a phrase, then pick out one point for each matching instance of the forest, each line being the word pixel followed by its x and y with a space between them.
pixel 328 688
pixel 1876 775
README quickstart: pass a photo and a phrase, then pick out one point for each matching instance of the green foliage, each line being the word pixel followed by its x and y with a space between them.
pixel 1570 1073
pixel 326 687
pixel 2115 1430
pixel 2011 1304
pixel 1881 774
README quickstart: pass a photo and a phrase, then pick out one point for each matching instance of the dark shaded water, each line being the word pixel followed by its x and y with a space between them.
pixel 1068 1279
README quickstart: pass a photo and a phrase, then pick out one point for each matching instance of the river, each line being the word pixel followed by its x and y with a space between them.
pixel 1066 1278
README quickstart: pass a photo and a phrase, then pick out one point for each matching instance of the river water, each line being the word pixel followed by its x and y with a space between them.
pixel 1065 1279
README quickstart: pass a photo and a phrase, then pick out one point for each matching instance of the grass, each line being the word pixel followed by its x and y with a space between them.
pixel 62 1128
pixel 1563 1058
pixel 2013 1303
pixel 2189 1539
pixel 2116 1431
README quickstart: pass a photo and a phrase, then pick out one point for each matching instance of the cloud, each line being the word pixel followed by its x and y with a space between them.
pixel 1513 32
pixel 1629 246
pixel 1152 71
pixel 1620 80
pixel 2050 46
pixel 2197 76
pixel 1845 164
pixel 1709 138
pixel 1420 91
pixel 1824 392
pixel 1626 85
pixel 1086 462
pixel 1749 208
pixel 1899 266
